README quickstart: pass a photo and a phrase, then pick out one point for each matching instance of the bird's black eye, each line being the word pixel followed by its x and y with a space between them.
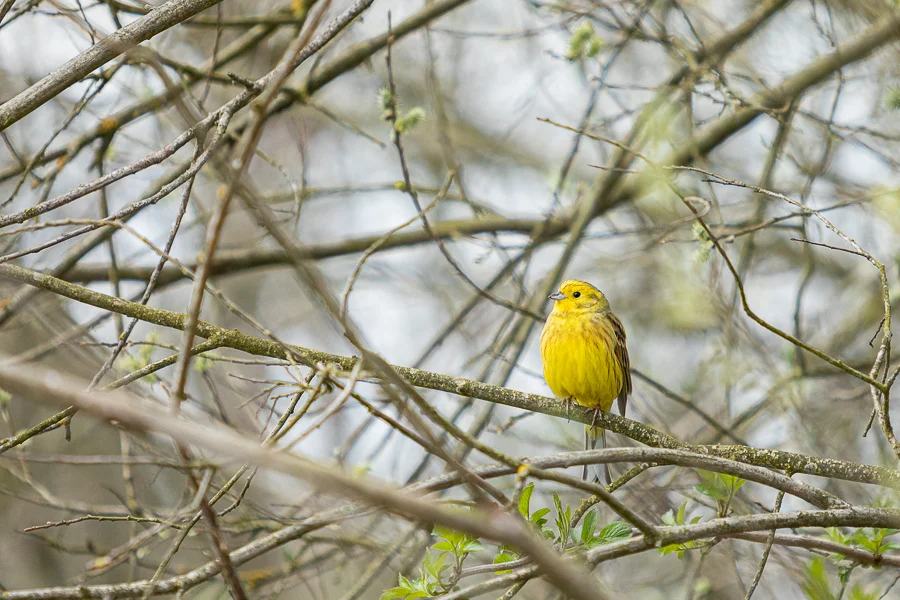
pixel 576 295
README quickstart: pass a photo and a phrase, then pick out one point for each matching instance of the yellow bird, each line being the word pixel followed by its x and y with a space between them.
pixel 584 353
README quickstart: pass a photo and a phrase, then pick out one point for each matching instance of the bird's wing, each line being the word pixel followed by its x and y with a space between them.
pixel 624 363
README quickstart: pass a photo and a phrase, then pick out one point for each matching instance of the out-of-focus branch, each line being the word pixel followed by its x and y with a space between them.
pixel 279 18
pixel 236 261
pixel 168 15
pixel 115 122
pixel 569 577
pixel 883 32
pixel 344 62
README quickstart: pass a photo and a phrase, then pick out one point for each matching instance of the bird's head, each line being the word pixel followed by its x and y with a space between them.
pixel 575 296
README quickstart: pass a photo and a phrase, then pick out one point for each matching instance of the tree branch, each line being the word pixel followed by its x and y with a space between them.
pixel 775 459
pixel 158 20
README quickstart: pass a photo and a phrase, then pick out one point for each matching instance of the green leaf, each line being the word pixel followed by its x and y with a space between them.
pixel 885 500
pixel 501 558
pixel 558 503
pixel 712 491
pixel 700 234
pixel 419 588
pixel 394 593
pixel 675 518
pixel 868 538
pixel 451 535
pixel 858 593
pixel 588 526
pixel 538 520
pixel 719 486
pixel 668 518
pixel 815 582
pixel 870 545
pixel 861 535
pixel 445 546
pixel 844 573
pixel 836 535
pixel 525 500
pixel 665 550
pixel 469 546
pixel 730 481
pixel 563 519
pixel 678 549
pixel 614 532
pixel 538 517
pixel 433 564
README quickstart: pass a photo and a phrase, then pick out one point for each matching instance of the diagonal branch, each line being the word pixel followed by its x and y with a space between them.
pixel 571 578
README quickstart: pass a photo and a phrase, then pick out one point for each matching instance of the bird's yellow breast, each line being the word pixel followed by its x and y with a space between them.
pixel 578 353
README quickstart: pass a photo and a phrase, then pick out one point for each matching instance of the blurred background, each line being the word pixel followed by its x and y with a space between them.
pixel 473 83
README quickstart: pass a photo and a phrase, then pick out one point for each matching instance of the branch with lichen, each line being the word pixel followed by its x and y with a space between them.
pixel 774 459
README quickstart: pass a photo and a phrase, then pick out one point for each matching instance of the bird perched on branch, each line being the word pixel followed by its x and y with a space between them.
pixel 584 354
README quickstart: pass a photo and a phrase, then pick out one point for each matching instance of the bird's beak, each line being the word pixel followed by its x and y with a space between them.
pixel 557 296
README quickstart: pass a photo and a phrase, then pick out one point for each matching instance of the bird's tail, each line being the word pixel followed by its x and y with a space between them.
pixel 591 435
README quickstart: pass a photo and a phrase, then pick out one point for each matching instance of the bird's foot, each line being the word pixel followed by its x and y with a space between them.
pixel 594 418
pixel 567 403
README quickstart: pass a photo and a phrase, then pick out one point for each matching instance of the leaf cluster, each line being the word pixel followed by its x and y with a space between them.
pixel 443 562
pixel 816 585
pixel 675 518
pixel 567 537
pixel 721 487
pixel 434 580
